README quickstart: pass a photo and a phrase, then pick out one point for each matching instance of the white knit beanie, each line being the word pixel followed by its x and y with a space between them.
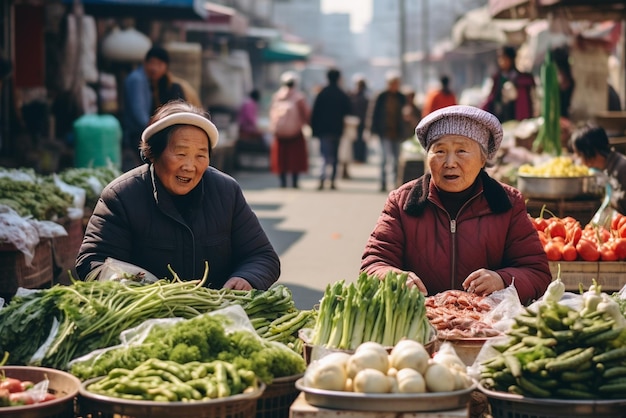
pixel 468 121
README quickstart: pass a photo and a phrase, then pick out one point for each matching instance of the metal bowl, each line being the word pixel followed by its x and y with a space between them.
pixel 558 187
pixel 387 402
pixel 62 384
pixel 513 405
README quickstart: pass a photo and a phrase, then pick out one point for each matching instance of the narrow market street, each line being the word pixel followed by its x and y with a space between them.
pixel 319 235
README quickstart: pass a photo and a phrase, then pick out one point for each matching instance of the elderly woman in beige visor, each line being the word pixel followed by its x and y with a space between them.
pixel 456 227
pixel 177 211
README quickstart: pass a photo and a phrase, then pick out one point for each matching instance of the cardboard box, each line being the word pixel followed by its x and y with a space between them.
pixel 610 275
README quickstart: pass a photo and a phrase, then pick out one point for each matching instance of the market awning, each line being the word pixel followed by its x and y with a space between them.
pixel 283 51
pixel 592 10
pixel 158 9
pixel 220 19
pixel 478 27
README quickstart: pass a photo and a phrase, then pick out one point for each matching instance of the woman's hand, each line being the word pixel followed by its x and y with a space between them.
pixel 483 282
pixel 237 283
pixel 412 280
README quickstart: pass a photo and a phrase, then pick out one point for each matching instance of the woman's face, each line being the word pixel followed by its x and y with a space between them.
pixel 504 62
pixel 454 162
pixel 184 160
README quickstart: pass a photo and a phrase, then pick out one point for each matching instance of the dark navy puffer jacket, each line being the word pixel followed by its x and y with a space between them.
pixel 492 230
pixel 135 221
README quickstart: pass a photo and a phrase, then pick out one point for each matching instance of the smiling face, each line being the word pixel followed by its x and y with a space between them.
pixel 454 162
pixel 184 160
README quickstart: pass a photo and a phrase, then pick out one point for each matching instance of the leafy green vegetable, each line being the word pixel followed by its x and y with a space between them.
pixel 202 339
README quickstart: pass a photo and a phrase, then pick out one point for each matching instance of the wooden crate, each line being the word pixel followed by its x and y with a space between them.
pixel 610 275
pixel 65 249
pixel 15 273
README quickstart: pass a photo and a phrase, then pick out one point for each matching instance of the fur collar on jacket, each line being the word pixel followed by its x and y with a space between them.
pixel 496 196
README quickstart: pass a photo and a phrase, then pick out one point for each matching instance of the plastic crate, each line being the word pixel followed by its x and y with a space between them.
pixel 15 273
pixel 278 397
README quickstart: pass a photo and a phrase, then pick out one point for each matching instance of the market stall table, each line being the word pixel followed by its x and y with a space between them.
pixel 302 409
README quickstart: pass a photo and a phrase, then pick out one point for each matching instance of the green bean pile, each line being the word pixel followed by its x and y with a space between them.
pixel 167 381
pixel 558 352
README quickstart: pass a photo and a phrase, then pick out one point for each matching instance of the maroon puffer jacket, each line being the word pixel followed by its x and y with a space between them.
pixel 493 231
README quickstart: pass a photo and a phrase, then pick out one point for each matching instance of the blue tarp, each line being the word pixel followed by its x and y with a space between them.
pixel 173 9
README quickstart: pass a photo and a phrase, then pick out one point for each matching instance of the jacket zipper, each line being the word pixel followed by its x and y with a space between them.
pixel 453 258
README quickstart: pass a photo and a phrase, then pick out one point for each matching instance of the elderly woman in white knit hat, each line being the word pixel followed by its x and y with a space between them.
pixel 177 211
pixel 456 227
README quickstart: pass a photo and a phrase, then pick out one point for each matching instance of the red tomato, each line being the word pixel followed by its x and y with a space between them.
pixel 11 384
pixel 21 398
pixel 48 397
pixel 541 224
pixel 556 228
pixel 587 250
pixel 607 253
pixel 553 251
pixel 27 384
pixel 619 246
pixel 569 252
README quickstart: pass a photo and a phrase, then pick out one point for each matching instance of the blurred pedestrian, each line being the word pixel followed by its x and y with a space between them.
pixel 289 113
pixel 330 108
pixel 146 89
pixel 512 91
pixel 411 113
pixel 387 122
pixel 360 103
pixel 439 97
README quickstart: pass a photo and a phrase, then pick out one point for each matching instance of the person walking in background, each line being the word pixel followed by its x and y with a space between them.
pixel 440 97
pixel 147 88
pixel 411 113
pixel 330 108
pixel 511 95
pixel 360 103
pixel 288 114
pixel 387 122
pixel 248 115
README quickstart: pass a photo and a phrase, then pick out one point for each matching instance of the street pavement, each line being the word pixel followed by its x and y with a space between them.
pixel 319 235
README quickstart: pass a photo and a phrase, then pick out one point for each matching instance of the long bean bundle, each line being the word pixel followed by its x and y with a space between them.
pixel 92 315
pixel 383 311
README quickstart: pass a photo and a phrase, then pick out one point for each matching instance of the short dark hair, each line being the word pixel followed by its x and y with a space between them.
pixel 509 51
pixel 590 140
pixel 333 75
pixel 159 53
pixel 445 80
pixel 152 149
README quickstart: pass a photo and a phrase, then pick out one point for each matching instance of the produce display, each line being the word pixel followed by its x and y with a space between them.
pixel 561 166
pixel 381 311
pixel 168 381
pixel 91 315
pixel 92 180
pixel 565 239
pixel 39 199
pixel 563 351
pixel 200 339
pixel 408 368
pixel 457 314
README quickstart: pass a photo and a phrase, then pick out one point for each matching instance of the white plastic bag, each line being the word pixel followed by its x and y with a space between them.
pixel 117 270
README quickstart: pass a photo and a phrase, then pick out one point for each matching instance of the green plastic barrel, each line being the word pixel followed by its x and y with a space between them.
pixel 97 141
